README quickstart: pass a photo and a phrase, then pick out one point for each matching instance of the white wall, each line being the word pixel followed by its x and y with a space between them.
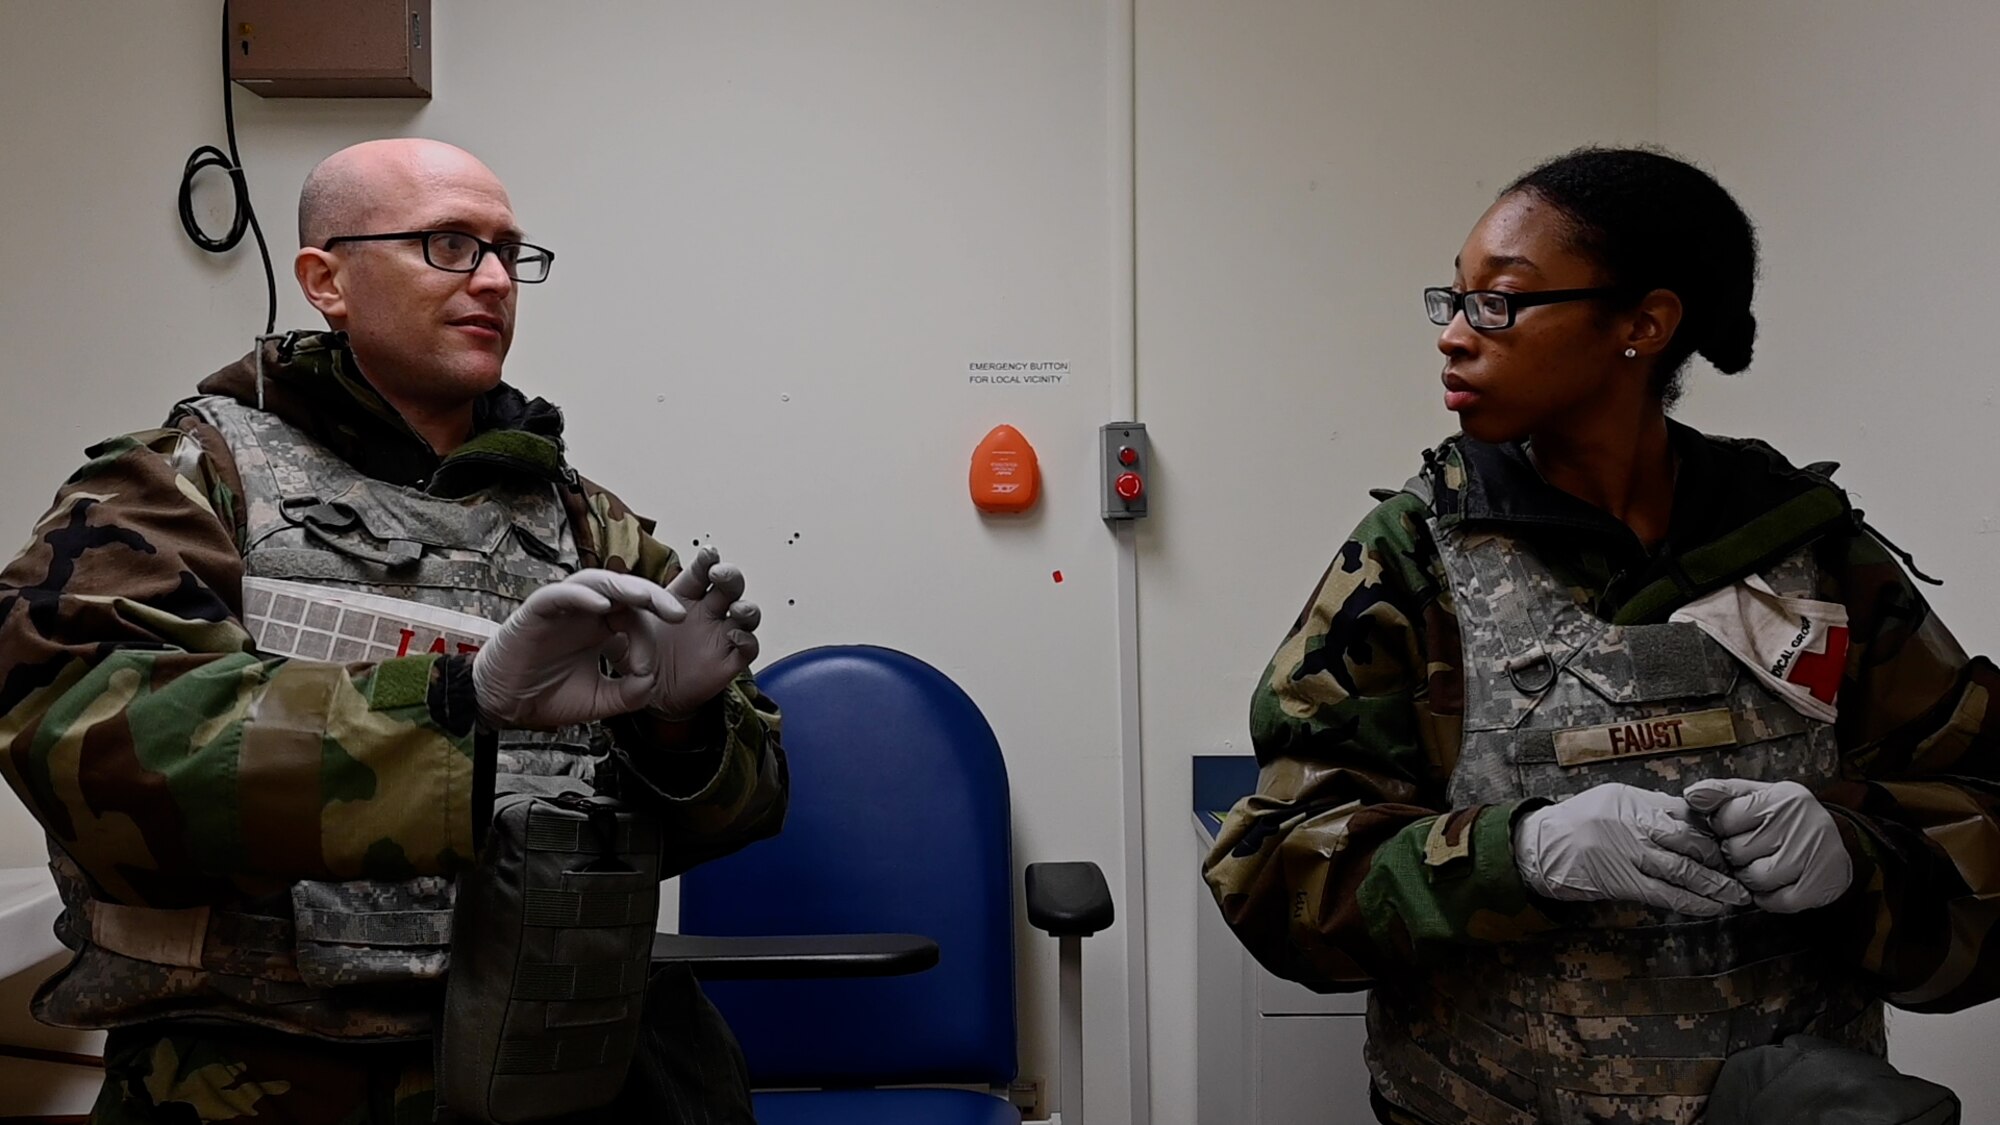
pixel 842 204
pixel 1858 136
pixel 1305 169
pixel 845 204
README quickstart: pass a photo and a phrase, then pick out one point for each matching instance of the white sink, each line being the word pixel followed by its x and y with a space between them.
pixel 28 909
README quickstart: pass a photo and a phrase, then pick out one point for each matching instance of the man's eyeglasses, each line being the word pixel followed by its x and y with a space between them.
pixel 457 252
pixel 1487 309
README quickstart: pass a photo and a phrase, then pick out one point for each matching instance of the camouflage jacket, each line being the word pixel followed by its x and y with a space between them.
pixel 179 767
pixel 1323 872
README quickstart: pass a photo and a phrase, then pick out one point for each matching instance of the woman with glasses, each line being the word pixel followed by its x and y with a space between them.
pixel 1607 749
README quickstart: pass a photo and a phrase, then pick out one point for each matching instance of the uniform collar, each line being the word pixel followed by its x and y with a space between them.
pixel 311 381
pixel 1739 506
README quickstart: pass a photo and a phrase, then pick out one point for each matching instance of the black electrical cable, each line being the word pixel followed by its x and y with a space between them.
pixel 208 156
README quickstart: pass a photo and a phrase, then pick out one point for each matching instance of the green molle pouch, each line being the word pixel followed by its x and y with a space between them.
pixel 553 945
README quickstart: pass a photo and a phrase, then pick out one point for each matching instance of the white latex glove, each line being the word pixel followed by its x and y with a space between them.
pixel 544 668
pixel 1618 842
pixel 698 657
pixel 1779 841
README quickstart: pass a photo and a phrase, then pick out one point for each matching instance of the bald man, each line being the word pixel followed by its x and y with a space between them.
pixel 264 669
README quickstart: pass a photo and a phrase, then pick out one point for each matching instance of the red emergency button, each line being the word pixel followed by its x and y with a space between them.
pixel 1128 456
pixel 1129 485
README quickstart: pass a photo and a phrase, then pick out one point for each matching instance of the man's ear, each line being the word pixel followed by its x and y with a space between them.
pixel 319 277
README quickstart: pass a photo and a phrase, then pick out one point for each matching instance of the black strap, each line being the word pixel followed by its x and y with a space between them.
pixel 588 909
pixel 554 1054
pixel 597 981
pixel 548 832
pixel 1758 544
pixel 1909 560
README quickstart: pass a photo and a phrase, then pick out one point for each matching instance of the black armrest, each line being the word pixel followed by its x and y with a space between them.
pixel 802 957
pixel 1068 899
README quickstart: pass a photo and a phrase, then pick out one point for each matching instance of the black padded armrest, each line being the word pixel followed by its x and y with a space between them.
pixel 805 957
pixel 1068 899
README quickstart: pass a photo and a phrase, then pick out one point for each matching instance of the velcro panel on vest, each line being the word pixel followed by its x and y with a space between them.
pixel 1655 663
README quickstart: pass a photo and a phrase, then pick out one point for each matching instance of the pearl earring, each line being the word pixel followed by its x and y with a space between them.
pixel 1631 353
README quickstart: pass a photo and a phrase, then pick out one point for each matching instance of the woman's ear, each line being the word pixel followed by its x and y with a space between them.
pixel 1653 322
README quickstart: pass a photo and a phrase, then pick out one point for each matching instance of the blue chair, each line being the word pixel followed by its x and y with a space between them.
pixel 899 822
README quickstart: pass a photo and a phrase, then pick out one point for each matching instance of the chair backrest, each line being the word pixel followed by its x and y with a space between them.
pixel 898 824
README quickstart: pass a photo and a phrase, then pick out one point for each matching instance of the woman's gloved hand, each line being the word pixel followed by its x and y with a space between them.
pixel 1778 840
pixel 1618 842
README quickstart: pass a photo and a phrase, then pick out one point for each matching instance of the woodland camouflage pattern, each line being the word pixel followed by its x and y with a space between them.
pixel 153 1076
pixel 175 767
pixel 1364 857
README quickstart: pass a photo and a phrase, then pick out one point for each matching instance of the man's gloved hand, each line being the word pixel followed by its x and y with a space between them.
pixel 698 657
pixel 1780 842
pixel 542 669
pixel 1620 842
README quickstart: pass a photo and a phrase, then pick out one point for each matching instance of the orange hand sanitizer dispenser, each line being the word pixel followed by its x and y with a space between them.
pixel 1005 478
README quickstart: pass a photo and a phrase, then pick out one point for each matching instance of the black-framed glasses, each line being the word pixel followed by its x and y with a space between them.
pixel 1488 309
pixel 455 251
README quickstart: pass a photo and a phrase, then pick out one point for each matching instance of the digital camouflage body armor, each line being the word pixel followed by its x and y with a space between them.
pixel 353 961
pixel 1624 1014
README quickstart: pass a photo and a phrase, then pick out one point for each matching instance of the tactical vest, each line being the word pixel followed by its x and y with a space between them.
pixel 352 960
pixel 1624 1013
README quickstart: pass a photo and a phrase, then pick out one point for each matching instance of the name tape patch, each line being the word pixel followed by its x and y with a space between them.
pixel 1671 734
